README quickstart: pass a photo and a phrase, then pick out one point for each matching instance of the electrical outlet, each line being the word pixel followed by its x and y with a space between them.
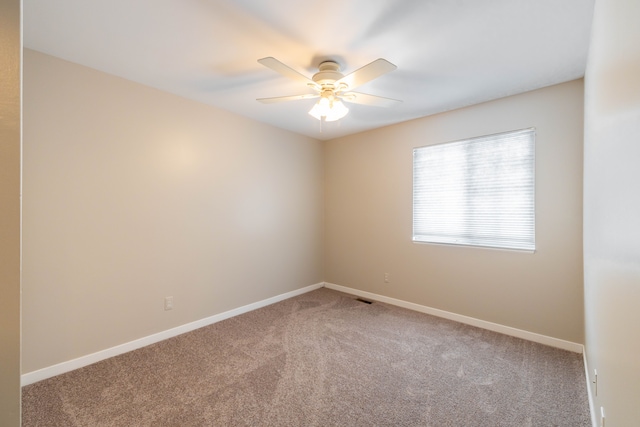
pixel 387 277
pixel 168 303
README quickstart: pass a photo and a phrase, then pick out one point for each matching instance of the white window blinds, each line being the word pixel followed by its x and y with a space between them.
pixel 477 192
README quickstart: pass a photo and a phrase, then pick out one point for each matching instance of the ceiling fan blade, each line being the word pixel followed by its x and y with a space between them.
pixel 288 98
pixel 367 73
pixel 286 71
pixel 365 99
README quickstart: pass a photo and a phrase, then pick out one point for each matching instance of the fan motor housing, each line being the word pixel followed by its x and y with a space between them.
pixel 329 73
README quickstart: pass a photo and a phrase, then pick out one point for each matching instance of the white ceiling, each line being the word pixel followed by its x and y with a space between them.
pixel 449 53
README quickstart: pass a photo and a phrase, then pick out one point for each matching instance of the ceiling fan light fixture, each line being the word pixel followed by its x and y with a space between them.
pixel 332 86
pixel 330 110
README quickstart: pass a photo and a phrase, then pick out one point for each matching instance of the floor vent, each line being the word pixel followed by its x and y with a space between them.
pixel 364 301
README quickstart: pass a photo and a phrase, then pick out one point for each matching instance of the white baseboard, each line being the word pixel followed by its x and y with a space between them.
pixel 592 408
pixel 507 330
pixel 61 368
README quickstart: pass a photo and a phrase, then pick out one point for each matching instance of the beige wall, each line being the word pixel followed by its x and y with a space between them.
pixel 10 48
pixel 612 209
pixel 369 212
pixel 132 194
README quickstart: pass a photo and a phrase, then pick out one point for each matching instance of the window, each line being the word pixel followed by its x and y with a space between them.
pixel 477 192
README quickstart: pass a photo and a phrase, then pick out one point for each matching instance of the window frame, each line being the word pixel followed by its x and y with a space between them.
pixel 528 247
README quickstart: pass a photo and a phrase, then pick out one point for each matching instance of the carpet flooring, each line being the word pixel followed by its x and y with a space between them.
pixel 322 359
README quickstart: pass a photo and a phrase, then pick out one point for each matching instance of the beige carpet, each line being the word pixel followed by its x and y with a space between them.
pixel 322 359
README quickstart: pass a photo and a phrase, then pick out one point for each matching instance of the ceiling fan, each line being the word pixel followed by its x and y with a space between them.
pixel 332 87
